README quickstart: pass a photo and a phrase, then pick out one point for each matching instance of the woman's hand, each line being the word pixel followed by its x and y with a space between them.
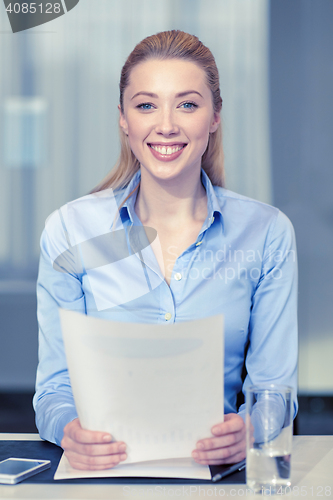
pixel 227 446
pixel 91 450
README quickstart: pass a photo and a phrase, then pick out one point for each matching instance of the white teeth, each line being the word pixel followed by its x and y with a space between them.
pixel 167 150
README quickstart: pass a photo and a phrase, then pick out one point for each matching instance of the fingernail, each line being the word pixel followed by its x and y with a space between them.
pixel 194 454
pixel 107 438
pixel 200 446
pixel 122 447
pixel 123 456
pixel 215 429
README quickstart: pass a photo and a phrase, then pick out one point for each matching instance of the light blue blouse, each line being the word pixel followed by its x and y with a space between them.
pixel 242 265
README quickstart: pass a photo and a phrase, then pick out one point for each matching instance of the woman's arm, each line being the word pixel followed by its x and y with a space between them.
pixel 53 400
pixel 56 416
pixel 272 352
pixel 273 332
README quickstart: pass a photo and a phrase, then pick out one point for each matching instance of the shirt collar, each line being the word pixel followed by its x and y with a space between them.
pixel 127 210
pixel 213 207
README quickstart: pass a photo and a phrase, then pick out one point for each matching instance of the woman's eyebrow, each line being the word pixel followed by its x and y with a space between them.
pixel 183 94
pixel 155 96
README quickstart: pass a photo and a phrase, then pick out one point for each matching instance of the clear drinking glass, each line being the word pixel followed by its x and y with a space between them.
pixel 269 438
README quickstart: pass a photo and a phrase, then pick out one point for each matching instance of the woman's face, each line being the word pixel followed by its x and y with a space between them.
pixel 168 115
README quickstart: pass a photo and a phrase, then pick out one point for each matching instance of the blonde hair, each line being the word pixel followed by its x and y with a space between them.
pixel 173 44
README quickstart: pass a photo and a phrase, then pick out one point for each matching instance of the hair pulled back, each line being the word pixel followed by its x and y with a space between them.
pixel 172 44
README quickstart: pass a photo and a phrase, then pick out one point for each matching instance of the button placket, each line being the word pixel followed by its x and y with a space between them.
pixel 168 306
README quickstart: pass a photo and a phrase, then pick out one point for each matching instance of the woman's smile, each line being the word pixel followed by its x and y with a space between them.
pixel 166 152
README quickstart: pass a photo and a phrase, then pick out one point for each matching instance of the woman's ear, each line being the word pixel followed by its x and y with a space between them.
pixel 215 123
pixel 122 121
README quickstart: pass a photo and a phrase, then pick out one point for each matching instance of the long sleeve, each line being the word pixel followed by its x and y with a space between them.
pixel 53 400
pixel 272 351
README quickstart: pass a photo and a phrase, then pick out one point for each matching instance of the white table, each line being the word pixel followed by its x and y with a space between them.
pixel 312 477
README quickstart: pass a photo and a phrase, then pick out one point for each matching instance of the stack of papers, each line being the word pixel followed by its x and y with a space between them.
pixel 158 388
pixel 175 468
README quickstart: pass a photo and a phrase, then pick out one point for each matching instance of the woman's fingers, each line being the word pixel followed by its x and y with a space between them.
pixel 77 465
pixel 221 442
pixel 227 454
pixel 228 444
pixel 92 462
pixel 91 450
pixel 74 430
pixel 231 460
pixel 232 423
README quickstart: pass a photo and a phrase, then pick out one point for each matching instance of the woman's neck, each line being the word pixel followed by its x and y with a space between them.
pixel 170 202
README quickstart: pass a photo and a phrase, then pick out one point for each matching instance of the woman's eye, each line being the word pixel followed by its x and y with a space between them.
pixel 189 105
pixel 145 105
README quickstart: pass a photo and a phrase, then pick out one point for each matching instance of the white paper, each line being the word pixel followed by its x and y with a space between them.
pixel 158 388
pixel 174 468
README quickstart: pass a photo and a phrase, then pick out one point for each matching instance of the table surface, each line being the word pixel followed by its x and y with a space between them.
pixel 311 477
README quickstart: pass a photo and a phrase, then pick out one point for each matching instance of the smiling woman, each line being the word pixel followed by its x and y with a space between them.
pixel 169 177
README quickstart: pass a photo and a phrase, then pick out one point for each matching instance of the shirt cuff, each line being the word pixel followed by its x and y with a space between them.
pixel 64 419
pixel 242 411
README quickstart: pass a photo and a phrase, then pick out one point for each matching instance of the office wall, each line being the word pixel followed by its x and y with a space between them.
pixel 300 145
pixel 301 75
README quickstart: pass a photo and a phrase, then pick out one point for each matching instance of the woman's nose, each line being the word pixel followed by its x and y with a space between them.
pixel 166 123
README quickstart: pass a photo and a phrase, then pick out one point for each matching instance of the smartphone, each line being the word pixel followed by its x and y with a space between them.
pixel 14 470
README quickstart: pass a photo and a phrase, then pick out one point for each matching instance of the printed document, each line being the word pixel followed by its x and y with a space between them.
pixel 158 388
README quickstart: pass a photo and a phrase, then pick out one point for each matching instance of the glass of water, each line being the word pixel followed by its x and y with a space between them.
pixel 269 416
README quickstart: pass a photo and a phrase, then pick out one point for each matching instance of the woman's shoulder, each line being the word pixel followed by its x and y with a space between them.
pixel 85 217
pixel 224 194
pixel 251 210
pixel 228 197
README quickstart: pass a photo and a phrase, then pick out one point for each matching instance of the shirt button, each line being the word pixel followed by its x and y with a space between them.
pixel 168 316
pixel 178 276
